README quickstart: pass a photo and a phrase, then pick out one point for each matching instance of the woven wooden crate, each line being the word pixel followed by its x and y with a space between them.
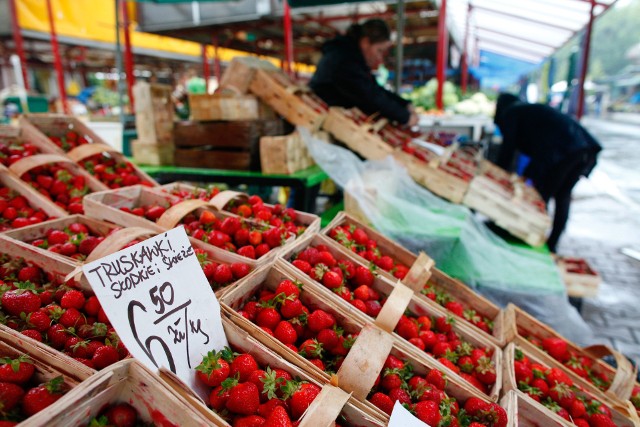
pixel 125 382
pixel 517 216
pixel 518 325
pixel 35 199
pixel 106 206
pixel 623 414
pixel 152 154
pixel 284 154
pixel 269 277
pixel 458 290
pixel 579 284
pixel 523 411
pixel 243 342
pixel 154 112
pixel 205 107
pixel 358 137
pixel 296 104
pixel 434 179
pixel 240 71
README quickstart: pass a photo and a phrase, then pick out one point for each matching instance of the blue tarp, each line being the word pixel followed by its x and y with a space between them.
pixel 500 71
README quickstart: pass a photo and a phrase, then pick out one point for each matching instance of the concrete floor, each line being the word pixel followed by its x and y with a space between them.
pixel 604 221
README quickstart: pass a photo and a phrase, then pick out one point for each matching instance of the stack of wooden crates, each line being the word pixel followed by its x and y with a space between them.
pixel 154 124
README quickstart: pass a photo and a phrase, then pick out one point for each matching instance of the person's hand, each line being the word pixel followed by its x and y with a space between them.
pixel 413 119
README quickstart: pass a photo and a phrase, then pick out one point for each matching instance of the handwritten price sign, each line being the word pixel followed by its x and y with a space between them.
pixel 160 303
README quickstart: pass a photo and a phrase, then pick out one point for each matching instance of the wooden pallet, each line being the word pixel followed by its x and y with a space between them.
pixel 296 104
pixel 518 325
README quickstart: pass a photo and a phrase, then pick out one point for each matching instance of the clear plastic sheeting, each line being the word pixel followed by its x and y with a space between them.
pixel 461 245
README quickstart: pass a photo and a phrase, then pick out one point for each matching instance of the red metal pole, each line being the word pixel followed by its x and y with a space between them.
pixel 464 77
pixel 288 39
pixel 441 57
pixel 56 60
pixel 216 60
pixel 17 37
pixel 585 62
pixel 205 67
pixel 128 55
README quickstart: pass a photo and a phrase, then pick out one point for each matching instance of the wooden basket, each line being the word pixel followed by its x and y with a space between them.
pixel 127 381
pixel 347 316
pixel 509 212
pixel 241 341
pixel 622 414
pixel 28 133
pixel 518 324
pixel 206 107
pixel 523 411
pixel 296 104
pixel 284 154
pixel 356 136
pixel 154 112
pixel 438 278
pixel 35 199
pixel 579 284
pixel 240 71
pixel 106 206
pixel 433 178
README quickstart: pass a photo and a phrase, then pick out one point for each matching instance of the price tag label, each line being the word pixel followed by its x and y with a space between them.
pixel 160 303
pixel 401 417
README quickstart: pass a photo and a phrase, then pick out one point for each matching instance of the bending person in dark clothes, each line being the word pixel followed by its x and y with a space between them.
pixel 560 149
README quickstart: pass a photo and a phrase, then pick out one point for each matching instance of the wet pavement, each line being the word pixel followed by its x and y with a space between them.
pixel 604 221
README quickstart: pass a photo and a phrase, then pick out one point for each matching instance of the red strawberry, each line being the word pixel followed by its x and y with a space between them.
pixel 92 306
pixel 17 371
pixel 486 371
pixel 247 252
pixel 319 320
pixel 38 398
pixel 30 274
pixel 291 308
pixel 288 288
pixel 268 317
pixel 239 270
pixel 302 397
pixel 383 402
pixel 600 420
pixel 244 399
pixel 39 321
pixel 222 274
pixel 72 299
pixel 328 338
pixel 557 348
pixel 72 318
pixel 10 396
pixel 436 378
pixel 331 280
pixel 21 300
pixel 213 370
pixel 243 365
pixel 523 372
pixel 122 415
pixel 302 265
pixel 278 418
pixel 218 398
pixel 563 395
pixel 57 237
pixel 363 276
pixel 57 336
pixel 285 333
pixel 105 356
pixel 428 412
pixel 87 245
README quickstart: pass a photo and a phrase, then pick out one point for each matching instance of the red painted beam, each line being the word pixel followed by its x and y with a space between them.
pixel 464 72
pixel 216 60
pixel 288 39
pixel 585 62
pixel 128 54
pixel 205 67
pixel 57 61
pixel 441 55
pixel 17 38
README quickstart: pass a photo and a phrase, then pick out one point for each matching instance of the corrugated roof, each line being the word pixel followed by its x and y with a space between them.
pixel 529 30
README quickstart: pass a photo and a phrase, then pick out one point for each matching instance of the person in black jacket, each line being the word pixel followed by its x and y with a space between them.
pixel 344 76
pixel 559 148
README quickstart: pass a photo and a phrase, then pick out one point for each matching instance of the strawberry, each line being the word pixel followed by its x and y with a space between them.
pixel 17 371
pixel 363 276
pixel 302 265
pixel 278 418
pixel 437 379
pixel 38 398
pixel 319 320
pixel 486 371
pixel 223 274
pixel 72 318
pixel 72 299
pixel 302 394
pixel 288 288
pixel 285 333
pixel 122 415
pixel 39 321
pixel 10 395
pixel 243 365
pixel 105 356
pixel 268 317
pixel 331 279
pixel 563 395
pixel 213 370
pixel 218 398
pixel 30 274
pixel 244 398
pixel 247 252
pixel 291 308
pixel 57 336
pixel 239 270
pixel 57 237
pixel 383 402
pixel 87 245
pixel 557 348
pixel 21 300
pixel 600 420
pixel 428 412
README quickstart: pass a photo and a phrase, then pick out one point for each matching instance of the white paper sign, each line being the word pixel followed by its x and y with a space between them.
pixel 160 303
pixel 401 417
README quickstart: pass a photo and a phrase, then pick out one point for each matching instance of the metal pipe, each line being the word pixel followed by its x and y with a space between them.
pixel 17 38
pixel 399 44
pixel 585 62
pixel 57 61
pixel 128 54
pixel 119 65
pixel 441 56
pixel 464 72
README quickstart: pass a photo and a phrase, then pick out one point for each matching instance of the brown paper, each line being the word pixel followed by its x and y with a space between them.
pixel 175 213
pixel 394 307
pixel 419 273
pixel 365 361
pixel 325 408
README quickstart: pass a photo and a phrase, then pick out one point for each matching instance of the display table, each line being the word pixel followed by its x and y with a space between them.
pixel 305 183
pixel 469 126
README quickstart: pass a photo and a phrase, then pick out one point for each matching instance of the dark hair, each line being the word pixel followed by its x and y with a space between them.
pixel 504 102
pixel 376 30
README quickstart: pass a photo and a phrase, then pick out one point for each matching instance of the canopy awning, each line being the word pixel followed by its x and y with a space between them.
pixel 529 30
